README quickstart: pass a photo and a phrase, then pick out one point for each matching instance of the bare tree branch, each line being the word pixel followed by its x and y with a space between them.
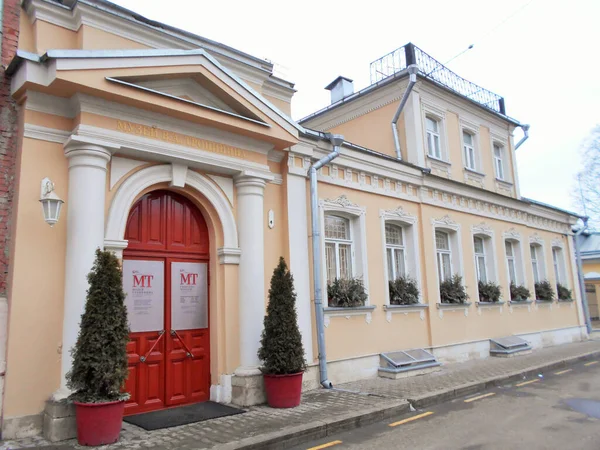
pixel 586 192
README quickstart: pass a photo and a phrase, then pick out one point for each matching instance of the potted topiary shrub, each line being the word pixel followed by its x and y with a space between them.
pixel 403 291
pixel 99 357
pixel 518 293
pixel 564 293
pixel 281 350
pixel 544 291
pixel 346 293
pixel 489 292
pixel 453 291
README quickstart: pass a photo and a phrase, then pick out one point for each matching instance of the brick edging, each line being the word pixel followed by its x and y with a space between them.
pixel 320 429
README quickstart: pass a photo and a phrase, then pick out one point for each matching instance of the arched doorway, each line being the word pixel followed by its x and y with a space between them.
pixel 165 277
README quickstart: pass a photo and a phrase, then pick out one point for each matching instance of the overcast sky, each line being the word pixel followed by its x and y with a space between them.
pixel 541 55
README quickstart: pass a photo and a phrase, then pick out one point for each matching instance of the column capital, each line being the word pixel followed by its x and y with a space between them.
pixel 86 152
pixel 250 184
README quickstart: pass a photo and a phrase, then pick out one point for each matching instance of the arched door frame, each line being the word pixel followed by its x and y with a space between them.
pixel 141 180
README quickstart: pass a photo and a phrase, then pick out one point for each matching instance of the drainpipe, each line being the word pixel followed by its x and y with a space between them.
pixel 336 140
pixel 586 310
pixel 525 129
pixel 413 69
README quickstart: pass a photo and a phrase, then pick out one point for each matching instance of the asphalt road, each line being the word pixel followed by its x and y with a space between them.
pixel 559 411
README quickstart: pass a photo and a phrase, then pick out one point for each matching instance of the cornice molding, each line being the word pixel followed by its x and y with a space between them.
pixel 45 134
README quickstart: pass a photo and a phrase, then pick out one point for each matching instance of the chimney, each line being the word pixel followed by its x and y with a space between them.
pixel 340 88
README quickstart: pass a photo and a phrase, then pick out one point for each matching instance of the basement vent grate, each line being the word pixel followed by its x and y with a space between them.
pixel 403 361
pixel 508 345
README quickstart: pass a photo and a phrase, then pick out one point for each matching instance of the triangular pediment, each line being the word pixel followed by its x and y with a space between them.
pixel 193 88
pixel 187 84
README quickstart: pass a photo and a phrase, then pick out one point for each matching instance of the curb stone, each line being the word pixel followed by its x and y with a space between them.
pixel 436 397
pixel 296 435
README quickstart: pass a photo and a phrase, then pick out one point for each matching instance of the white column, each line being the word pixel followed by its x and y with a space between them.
pixel 250 222
pixel 298 238
pixel 85 233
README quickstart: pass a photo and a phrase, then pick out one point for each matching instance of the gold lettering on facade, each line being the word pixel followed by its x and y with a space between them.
pixel 178 138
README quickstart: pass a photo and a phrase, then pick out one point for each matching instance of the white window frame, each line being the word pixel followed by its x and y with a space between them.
pixel 486 233
pixel 480 256
pixel 502 139
pixel 447 225
pixel 343 207
pixel 499 160
pixel 439 256
pixel 412 255
pixel 394 249
pixel 540 253
pixel 535 262
pixel 516 241
pixel 433 135
pixel 438 114
pixel 337 242
pixel 561 276
pixel 469 150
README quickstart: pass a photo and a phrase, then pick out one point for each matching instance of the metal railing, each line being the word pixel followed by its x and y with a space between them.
pixel 431 68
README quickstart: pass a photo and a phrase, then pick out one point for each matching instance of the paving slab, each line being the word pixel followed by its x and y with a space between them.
pixel 325 412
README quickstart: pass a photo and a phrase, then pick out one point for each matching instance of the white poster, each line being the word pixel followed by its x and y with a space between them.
pixel 189 295
pixel 143 283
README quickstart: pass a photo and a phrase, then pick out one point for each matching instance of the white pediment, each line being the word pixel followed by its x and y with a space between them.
pixel 187 89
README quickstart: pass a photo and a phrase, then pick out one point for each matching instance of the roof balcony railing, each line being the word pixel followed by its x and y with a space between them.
pixel 431 68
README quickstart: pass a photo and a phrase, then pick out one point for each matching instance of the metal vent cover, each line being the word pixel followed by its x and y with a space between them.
pixel 404 360
pixel 508 344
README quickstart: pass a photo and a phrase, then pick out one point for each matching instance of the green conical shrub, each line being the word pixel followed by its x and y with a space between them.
pixel 281 348
pixel 100 356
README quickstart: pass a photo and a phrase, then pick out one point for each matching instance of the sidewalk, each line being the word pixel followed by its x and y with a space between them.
pixel 326 412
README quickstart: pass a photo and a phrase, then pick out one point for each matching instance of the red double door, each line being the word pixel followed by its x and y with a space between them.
pixel 165 277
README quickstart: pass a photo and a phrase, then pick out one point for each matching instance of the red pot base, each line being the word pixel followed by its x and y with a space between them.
pixel 99 423
pixel 283 391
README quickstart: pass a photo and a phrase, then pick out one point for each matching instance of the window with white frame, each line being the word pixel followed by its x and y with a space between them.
pixel 535 262
pixel 444 255
pixel 480 262
pixel 434 148
pixel 338 248
pixel 395 251
pixel 511 261
pixel 499 161
pixel 559 265
pixel 469 150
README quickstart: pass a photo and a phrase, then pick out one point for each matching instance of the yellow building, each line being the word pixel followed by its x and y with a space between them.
pixel 179 154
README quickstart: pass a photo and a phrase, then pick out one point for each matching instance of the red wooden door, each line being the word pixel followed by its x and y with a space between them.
pixel 165 272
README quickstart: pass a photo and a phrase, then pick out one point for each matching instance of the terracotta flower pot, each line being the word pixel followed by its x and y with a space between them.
pixel 99 423
pixel 283 391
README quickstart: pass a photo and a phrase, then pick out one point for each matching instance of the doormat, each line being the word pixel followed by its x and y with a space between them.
pixel 181 415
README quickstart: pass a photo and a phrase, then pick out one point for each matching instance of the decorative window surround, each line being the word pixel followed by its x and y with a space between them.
pixel 390 310
pixel 348 312
pixel 486 232
pixel 451 227
pixel 342 206
pixel 439 167
pixel 489 305
pixel 453 307
pixel 408 222
pixel 536 242
pixel 522 304
pixel 559 263
pixel 474 177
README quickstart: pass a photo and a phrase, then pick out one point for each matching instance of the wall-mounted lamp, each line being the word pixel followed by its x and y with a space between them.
pixel 51 203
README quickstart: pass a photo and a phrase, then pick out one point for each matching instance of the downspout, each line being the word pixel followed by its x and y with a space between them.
pixel 336 140
pixel 525 129
pixel 413 69
pixel 586 310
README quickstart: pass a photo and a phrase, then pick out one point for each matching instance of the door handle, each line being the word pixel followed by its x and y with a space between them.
pixel 145 357
pixel 189 353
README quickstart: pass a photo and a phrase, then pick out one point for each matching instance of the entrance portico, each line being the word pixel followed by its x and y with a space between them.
pixel 126 142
